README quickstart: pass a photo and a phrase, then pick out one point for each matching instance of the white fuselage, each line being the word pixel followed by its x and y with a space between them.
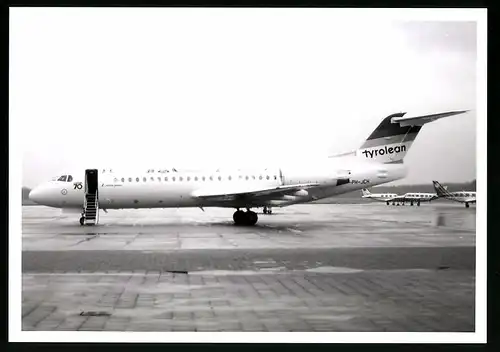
pixel 462 196
pixel 381 197
pixel 420 197
pixel 164 189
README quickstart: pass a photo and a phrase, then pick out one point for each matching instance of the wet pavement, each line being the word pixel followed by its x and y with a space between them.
pixel 365 267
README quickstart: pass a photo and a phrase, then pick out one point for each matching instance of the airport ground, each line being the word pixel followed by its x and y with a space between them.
pixel 322 267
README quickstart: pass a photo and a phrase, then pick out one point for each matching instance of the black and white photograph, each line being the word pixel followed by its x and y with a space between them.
pixel 247 174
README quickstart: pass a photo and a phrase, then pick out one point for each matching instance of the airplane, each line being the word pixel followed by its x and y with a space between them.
pixel 378 160
pixel 411 197
pixel 418 197
pixel 466 197
pixel 380 197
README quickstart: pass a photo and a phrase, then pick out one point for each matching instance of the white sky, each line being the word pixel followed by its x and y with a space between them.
pixel 96 87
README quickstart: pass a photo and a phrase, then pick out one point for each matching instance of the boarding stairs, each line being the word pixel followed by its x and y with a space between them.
pixel 91 209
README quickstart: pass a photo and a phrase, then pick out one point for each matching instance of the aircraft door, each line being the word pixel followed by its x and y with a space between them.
pixel 91 181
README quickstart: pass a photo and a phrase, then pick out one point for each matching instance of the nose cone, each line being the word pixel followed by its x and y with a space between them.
pixel 35 195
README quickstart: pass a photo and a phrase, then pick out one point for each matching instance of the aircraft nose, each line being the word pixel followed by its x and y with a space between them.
pixel 35 195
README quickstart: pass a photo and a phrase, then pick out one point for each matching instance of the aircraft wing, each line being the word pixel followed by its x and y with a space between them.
pixel 249 192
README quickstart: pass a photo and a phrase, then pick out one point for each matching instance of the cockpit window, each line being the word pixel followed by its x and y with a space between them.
pixel 62 178
pixel 70 178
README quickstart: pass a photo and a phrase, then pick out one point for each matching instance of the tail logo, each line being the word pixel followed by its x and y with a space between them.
pixel 382 151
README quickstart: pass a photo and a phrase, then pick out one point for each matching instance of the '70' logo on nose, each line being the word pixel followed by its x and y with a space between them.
pixel 77 185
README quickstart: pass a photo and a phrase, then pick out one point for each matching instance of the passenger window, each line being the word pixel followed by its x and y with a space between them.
pixel 260 177
pixel 159 179
pixel 152 178
pixel 180 178
pixel 188 178
pixel 196 178
pixel 123 180
pixel 253 177
pixel 267 177
pixel 137 179
pixel 246 178
pixel 220 178
pixel 229 178
pixel 240 177
pixel 275 177
pixel 173 179
pixel 166 179
pixel 130 179
pixel 203 178
pixel 211 178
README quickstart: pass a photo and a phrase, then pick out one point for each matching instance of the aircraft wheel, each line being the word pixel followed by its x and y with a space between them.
pixel 466 205
pixel 269 211
pixel 411 203
pixel 265 210
pixel 82 221
pixel 418 204
pixel 251 218
pixel 387 203
pixel 239 217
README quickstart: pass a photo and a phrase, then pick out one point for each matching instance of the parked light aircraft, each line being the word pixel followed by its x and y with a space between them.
pixel 380 197
pixel 378 160
pixel 410 197
pixel 466 197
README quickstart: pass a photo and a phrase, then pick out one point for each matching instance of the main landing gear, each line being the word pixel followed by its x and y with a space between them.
pixel 248 217
pixel 466 204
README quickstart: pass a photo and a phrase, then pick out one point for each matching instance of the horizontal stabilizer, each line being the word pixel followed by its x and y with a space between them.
pixel 422 120
pixel 394 136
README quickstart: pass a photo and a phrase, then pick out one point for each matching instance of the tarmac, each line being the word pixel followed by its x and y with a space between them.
pixel 322 267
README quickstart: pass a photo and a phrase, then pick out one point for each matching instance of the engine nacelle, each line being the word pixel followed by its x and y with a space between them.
pixel 301 193
pixel 342 181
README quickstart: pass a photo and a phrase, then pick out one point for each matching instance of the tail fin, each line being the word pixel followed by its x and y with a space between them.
pixel 365 192
pixel 393 137
pixel 441 191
